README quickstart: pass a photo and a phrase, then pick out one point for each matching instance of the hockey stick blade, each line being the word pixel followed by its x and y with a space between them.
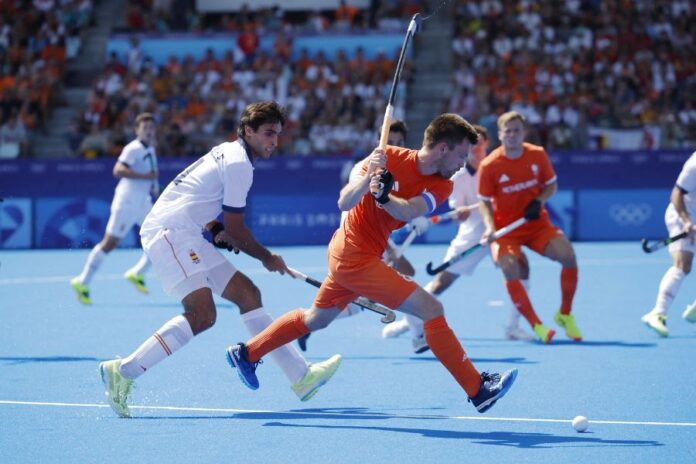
pixel 646 246
pixel 499 233
pixel 649 248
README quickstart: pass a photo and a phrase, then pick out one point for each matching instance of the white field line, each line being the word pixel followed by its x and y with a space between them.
pixel 320 414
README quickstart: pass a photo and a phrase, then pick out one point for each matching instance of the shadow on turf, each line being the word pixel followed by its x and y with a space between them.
pixel 613 343
pixel 514 439
pixel 48 359
pixel 477 360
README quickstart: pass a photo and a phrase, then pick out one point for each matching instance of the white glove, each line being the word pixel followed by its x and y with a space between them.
pixel 419 224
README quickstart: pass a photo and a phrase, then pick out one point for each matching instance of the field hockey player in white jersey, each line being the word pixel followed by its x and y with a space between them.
pixel 192 269
pixel 464 200
pixel 680 216
pixel 136 168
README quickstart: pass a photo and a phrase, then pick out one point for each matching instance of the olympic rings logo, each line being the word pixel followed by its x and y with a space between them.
pixel 630 214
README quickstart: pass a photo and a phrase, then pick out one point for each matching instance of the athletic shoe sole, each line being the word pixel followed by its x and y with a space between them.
pixel 488 404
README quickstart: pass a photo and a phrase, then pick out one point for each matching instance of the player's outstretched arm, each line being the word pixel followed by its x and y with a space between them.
pixel 486 210
pixel 123 170
pixel 405 210
pixel 352 193
pixel 242 238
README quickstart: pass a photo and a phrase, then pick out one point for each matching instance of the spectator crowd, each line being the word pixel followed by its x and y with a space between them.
pixel 335 105
pixel 574 64
pixel 36 39
pixel 570 67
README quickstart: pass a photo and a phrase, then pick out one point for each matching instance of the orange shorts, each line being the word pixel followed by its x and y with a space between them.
pixel 369 277
pixel 535 235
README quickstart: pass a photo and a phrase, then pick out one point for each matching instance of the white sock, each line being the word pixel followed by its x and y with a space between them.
pixel 415 324
pixel 286 357
pixel 669 286
pixel 351 310
pixel 141 266
pixel 169 338
pixel 514 314
pixel 94 260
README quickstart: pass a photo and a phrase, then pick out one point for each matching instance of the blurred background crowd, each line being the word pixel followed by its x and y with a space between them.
pixel 572 68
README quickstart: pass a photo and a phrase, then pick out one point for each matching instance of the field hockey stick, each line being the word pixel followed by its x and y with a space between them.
pixel 398 252
pixel 498 233
pixel 450 215
pixel 650 247
pixel 413 27
pixel 386 313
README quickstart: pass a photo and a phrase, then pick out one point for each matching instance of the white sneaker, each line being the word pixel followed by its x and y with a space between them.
pixel 690 313
pixel 117 387
pixel 518 333
pixel 657 322
pixel 419 344
pixel 395 329
pixel 317 375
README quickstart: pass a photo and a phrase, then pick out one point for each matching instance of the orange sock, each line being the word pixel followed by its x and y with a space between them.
pixel 569 282
pixel 449 351
pixel 285 329
pixel 520 299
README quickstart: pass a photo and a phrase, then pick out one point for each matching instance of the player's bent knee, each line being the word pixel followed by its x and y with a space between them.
pixel 250 300
pixel 431 310
pixel 317 319
pixel 202 319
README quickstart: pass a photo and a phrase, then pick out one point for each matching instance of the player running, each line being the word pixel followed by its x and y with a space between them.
pixel 136 168
pixel 414 183
pixel 514 181
pixel 464 201
pixel 679 217
pixel 190 267
pixel 397 137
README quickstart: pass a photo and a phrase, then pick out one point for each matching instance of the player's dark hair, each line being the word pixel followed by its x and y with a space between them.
pixel 399 126
pixel 257 114
pixel 481 131
pixel 143 117
pixel 451 129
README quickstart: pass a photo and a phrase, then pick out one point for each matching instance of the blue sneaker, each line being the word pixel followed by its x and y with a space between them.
pixel 493 387
pixel 237 357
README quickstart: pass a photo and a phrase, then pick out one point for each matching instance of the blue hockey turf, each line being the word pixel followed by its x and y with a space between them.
pixel 384 404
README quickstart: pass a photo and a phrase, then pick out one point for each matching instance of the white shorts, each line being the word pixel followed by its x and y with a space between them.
pixel 124 215
pixel 184 261
pixel 461 243
pixel 676 226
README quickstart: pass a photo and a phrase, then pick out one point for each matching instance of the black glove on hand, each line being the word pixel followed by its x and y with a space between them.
pixel 386 182
pixel 533 210
pixel 214 231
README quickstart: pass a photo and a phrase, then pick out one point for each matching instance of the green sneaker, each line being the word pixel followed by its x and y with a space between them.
pixel 81 290
pixel 317 375
pixel 543 333
pixel 690 313
pixel 567 321
pixel 117 386
pixel 138 280
pixel 657 322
